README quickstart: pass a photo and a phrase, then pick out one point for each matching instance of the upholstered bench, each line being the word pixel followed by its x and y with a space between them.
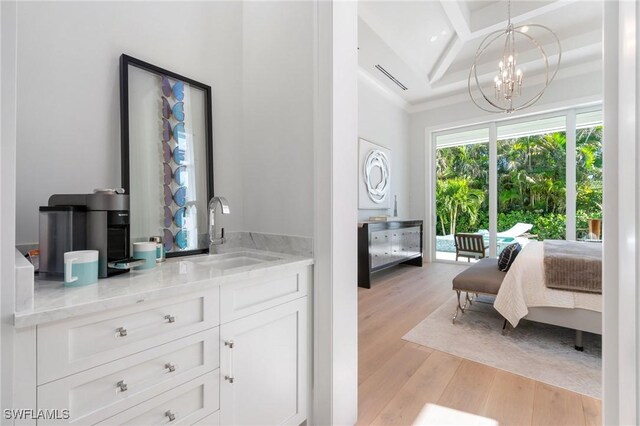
pixel 483 277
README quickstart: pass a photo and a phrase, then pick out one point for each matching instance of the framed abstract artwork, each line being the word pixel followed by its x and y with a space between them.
pixel 374 176
pixel 166 155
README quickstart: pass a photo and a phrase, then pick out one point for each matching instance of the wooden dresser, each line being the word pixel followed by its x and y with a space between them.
pixel 385 244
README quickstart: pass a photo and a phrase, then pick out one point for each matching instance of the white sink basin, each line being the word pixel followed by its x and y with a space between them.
pixel 236 260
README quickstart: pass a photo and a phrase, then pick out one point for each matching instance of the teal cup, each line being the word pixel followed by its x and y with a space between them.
pixel 145 251
pixel 80 268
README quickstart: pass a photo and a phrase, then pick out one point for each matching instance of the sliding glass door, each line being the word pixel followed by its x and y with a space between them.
pixel 462 188
pixel 518 180
pixel 589 176
pixel 532 184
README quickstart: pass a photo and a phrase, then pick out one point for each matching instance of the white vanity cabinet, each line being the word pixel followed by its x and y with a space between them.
pixel 264 367
pixel 233 354
pixel 264 350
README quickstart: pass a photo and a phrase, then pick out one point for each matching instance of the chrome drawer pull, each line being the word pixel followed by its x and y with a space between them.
pixel 170 318
pixel 170 366
pixel 122 331
pixel 230 345
pixel 170 415
pixel 122 385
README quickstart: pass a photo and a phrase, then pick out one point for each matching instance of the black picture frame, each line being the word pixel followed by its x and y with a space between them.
pixel 125 62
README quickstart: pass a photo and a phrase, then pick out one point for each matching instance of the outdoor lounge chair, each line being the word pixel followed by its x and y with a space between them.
pixel 471 246
pixel 516 230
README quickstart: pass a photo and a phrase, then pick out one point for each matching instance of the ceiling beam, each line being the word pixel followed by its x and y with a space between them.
pixel 460 17
pixel 472 25
pixel 575 44
pixel 570 59
pixel 455 95
pixel 448 55
pixel 483 21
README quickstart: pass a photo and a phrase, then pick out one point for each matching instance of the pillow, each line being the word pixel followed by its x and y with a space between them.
pixel 508 255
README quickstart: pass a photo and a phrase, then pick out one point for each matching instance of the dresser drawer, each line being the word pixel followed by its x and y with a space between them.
pixel 101 392
pixel 184 405
pixel 380 238
pixel 237 300
pixel 412 240
pixel 379 259
pixel 67 347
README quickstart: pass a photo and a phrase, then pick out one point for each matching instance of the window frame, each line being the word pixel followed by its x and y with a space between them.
pixel 492 127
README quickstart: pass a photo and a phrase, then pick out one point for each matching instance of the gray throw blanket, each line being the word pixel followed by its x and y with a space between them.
pixel 573 266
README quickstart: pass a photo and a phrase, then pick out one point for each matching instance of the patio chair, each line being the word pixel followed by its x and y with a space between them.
pixel 471 246
pixel 516 230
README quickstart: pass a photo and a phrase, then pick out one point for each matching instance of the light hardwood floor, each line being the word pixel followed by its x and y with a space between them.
pixel 402 383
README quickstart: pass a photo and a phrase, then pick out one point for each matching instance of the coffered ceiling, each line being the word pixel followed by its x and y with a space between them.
pixel 428 46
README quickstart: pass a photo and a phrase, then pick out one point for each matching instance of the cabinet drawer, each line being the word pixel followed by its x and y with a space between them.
pixel 244 298
pixel 101 392
pixel 68 347
pixel 210 420
pixel 184 405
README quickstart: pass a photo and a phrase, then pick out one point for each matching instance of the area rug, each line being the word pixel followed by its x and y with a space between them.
pixel 538 351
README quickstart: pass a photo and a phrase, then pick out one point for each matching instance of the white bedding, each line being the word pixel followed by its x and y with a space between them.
pixel 523 287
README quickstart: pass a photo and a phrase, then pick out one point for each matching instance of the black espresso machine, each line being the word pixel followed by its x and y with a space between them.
pixel 105 214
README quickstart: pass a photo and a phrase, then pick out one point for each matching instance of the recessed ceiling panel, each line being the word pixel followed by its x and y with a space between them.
pixel 430 49
pixel 418 31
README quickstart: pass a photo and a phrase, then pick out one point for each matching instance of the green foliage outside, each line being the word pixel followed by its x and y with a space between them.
pixel 457 198
pixel 531 184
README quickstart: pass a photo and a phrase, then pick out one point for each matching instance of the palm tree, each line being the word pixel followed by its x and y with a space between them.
pixel 455 196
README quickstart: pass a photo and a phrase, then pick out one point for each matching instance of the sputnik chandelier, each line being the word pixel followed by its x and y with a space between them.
pixel 506 92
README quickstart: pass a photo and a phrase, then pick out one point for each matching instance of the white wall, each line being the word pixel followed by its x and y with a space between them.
pixel 562 93
pixel 384 123
pixel 621 252
pixel 68 93
pixel 277 123
pixel 68 102
pixel 335 222
pixel 7 201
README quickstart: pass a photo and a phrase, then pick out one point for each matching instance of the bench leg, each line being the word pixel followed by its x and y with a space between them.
pixel 459 307
pixel 579 345
pixel 469 299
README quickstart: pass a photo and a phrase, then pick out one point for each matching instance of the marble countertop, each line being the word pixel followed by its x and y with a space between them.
pixel 52 301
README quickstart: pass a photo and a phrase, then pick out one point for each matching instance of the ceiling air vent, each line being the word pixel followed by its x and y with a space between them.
pixel 391 77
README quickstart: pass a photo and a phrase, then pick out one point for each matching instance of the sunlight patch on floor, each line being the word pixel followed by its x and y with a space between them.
pixel 433 414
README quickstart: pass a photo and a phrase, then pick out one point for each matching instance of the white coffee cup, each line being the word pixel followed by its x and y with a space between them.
pixel 80 268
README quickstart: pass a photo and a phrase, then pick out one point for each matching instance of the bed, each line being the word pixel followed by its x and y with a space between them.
pixel 523 294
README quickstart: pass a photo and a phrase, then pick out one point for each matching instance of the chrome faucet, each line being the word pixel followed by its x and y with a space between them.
pixel 214 239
